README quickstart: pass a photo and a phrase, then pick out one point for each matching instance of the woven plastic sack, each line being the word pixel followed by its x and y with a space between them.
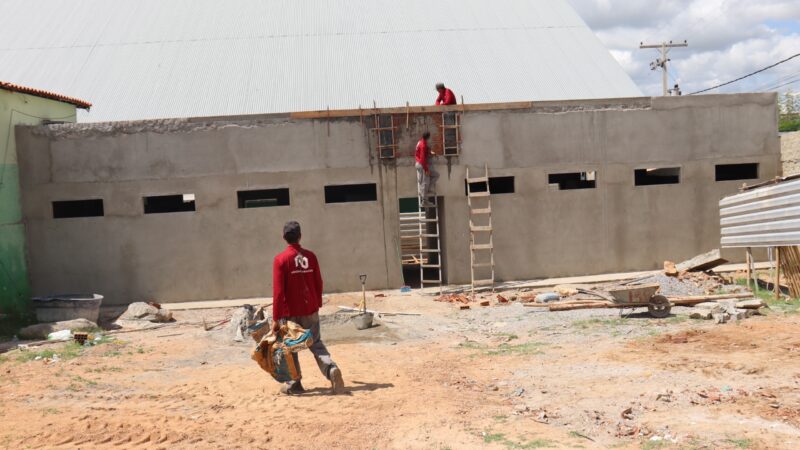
pixel 273 353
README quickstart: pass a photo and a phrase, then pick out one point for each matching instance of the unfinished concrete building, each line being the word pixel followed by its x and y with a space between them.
pixel 191 209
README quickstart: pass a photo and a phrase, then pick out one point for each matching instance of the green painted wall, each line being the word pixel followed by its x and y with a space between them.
pixel 16 109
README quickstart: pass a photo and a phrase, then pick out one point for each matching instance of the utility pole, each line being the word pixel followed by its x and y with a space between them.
pixel 662 62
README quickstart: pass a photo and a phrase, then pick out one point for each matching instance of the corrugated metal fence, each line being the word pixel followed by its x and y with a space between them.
pixel 764 217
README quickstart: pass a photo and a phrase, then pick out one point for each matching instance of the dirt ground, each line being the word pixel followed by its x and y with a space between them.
pixel 501 377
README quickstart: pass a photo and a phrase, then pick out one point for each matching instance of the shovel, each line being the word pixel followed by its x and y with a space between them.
pixel 363 320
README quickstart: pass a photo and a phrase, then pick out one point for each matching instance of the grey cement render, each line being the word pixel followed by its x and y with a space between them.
pixel 221 251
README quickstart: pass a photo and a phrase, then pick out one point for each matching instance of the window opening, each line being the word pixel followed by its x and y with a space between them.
pixel 497 185
pixel 69 209
pixel 729 172
pixel 655 176
pixel 160 204
pixel 263 198
pixel 347 193
pixel 573 180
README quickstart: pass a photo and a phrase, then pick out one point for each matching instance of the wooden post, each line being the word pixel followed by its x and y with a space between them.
pixel 753 270
pixel 748 257
pixel 777 279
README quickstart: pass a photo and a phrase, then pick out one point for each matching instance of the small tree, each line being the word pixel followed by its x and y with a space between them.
pixel 789 104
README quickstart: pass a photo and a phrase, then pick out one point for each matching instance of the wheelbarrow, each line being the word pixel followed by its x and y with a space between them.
pixel 640 296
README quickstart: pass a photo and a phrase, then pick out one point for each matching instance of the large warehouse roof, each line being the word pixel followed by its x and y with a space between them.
pixel 142 59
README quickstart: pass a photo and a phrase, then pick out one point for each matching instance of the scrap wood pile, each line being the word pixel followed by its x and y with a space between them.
pixel 691 283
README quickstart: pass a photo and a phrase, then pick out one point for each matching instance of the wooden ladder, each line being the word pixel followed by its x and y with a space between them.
pixel 481 245
pixel 430 247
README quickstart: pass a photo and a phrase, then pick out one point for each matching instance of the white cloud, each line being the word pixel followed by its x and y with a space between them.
pixel 727 39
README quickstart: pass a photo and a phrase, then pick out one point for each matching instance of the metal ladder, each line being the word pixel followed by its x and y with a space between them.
pixel 481 245
pixel 430 247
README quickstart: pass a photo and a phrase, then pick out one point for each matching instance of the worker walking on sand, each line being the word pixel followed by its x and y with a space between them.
pixel 426 176
pixel 446 96
pixel 297 297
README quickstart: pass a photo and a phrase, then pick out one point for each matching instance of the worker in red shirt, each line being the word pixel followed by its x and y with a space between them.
pixel 297 296
pixel 426 176
pixel 446 96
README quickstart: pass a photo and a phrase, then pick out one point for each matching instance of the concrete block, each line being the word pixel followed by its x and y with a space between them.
pixel 750 304
pixel 704 314
pixel 702 262
pixel 739 314
pixel 712 307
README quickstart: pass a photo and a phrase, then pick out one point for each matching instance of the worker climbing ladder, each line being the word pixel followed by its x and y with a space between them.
pixel 430 269
pixel 481 245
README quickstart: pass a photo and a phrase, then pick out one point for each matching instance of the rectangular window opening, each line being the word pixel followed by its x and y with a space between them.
pixel 729 172
pixel 573 180
pixel 655 176
pixel 263 198
pixel 69 209
pixel 497 185
pixel 348 193
pixel 160 204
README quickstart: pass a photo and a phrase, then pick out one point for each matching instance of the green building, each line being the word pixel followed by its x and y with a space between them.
pixel 20 105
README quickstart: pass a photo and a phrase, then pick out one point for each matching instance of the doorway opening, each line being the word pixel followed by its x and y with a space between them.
pixel 421 233
pixel 410 254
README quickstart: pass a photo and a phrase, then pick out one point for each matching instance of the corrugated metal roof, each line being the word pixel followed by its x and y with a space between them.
pixel 44 94
pixel 764 217
pixel 148 59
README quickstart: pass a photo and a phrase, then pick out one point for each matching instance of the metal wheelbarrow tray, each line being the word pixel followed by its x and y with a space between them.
pixel 640 296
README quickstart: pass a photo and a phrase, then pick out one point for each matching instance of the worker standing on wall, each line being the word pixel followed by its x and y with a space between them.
pixel 426 176
pixel 297 297
pixel 446 96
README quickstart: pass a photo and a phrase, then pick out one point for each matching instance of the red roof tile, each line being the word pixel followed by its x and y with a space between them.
pixel 44 94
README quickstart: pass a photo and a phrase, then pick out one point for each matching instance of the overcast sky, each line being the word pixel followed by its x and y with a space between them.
pixel 727 39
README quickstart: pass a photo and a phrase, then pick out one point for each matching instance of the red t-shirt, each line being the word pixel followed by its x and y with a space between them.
pixel 421 155
pixel 296 283
pixel 446 98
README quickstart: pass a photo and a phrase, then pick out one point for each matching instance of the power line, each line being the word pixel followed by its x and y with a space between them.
pixel 785 84
pixel 768 86
pixel 746 76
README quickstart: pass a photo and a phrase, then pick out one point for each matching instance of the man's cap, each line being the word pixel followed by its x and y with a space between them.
pixel 291 228
pixel 439 85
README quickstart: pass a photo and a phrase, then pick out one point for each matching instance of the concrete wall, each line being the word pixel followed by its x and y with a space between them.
pixel 17 108
pixel 220 251
pixel 790 153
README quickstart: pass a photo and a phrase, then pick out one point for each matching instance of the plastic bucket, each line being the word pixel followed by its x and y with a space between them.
pixel 57 308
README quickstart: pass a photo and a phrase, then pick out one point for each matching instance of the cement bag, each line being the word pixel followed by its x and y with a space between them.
pixel 274 352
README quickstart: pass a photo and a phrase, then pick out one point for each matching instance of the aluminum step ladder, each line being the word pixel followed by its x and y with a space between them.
pixel 430 268
pixel 481 244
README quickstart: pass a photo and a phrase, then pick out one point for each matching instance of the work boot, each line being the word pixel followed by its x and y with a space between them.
pixel 292 388
pixel 337 383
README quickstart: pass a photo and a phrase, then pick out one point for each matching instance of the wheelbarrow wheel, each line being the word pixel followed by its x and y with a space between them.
pixel 659 307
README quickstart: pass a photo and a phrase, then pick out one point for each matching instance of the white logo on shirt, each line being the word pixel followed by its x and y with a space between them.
pixel 301 261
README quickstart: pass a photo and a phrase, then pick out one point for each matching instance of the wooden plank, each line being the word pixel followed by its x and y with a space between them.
pixel 777 273
pixel 334 114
